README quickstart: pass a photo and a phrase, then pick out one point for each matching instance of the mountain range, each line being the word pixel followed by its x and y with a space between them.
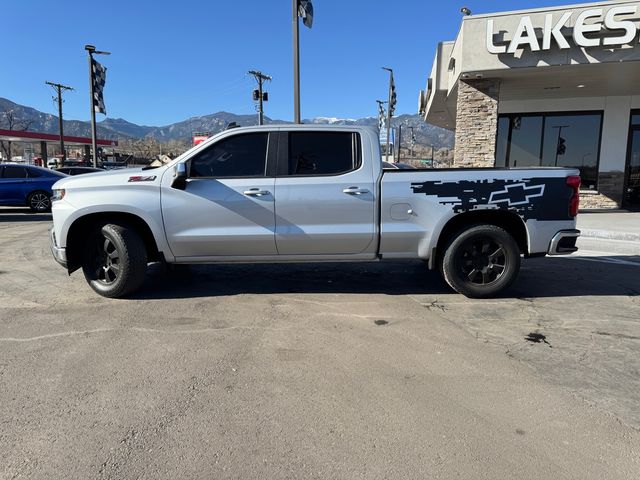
pixel 119 128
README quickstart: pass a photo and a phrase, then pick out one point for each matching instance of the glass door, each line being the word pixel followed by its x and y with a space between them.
pixel 632 185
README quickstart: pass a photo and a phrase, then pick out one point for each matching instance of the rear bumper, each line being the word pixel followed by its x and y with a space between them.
pixel 564 242
pixel 59 254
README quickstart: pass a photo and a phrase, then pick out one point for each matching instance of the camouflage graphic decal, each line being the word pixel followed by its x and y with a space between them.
pixel 533 198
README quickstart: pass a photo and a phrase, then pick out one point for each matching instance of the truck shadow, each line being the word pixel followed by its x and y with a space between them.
pixel 539 278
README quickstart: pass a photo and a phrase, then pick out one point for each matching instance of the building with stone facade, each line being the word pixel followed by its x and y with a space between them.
pixel 546 87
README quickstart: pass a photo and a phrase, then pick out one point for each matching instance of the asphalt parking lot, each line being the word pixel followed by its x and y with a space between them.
pixel 372 370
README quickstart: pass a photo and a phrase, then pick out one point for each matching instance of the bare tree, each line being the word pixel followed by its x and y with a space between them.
pixel 146 148
pixel 8 121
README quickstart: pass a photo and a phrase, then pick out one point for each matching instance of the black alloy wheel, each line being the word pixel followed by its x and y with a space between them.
pixel 108 266
pixel 481 261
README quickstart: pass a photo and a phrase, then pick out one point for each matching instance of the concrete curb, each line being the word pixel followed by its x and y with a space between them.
pixel 610 241
pixel 610 235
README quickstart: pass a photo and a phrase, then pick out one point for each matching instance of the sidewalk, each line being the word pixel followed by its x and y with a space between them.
pixel 614 233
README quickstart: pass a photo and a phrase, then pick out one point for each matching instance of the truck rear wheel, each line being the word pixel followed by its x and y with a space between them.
pixel 115 260
pixel 481 261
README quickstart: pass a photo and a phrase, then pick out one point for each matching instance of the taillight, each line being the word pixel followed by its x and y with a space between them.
pixel 574 204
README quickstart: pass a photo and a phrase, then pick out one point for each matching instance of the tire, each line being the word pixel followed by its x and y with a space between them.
pixel 39 201
pixel 481 261
pixel 115 261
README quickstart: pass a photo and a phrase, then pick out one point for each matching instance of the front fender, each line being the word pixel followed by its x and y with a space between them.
pixel 142 202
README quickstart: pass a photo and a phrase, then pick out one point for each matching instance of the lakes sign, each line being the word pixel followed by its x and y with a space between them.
pixel 592 28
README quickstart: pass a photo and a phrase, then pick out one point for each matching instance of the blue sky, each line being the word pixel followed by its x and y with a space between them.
pixel 172 60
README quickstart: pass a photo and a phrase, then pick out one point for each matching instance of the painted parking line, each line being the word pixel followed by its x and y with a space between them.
pixel 602 257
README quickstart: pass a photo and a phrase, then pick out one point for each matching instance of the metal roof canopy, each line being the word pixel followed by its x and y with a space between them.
pixel 26 136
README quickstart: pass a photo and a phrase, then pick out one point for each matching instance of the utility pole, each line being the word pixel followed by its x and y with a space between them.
pixel 94 137
pixel 59 87
pixel 433 156
pixel 399 142
pixel 260 78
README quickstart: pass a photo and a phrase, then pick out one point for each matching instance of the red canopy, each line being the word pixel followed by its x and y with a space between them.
pixel 25 136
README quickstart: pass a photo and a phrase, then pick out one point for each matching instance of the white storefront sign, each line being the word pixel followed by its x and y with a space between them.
pixel 592 22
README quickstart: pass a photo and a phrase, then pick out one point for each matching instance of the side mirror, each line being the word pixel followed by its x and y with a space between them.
pixel 179 176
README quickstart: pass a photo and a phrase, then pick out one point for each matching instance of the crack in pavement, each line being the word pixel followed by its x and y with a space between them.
pixel 136 329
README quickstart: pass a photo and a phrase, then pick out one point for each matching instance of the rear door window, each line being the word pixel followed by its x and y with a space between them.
pixel 11 171
pixel 323 153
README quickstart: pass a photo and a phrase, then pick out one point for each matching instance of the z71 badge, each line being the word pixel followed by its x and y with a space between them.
pixel 138 178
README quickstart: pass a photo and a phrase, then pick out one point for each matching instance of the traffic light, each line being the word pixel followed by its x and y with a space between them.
pixel 256 96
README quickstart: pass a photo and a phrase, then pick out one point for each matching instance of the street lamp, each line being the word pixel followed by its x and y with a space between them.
pixel 91 50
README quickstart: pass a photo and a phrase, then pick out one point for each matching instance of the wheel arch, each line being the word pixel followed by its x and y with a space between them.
pixel 509 221
pixel 81 226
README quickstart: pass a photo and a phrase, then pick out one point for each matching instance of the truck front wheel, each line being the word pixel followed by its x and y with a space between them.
pixel 115 260
pixel 481 261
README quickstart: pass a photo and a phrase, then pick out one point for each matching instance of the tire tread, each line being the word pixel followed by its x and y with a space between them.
pixel 134 265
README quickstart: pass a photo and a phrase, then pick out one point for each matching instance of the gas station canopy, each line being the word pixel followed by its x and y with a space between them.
pixel 26 136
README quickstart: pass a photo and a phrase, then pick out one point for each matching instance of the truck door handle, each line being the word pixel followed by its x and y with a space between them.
pixel 256 192
pixel 355 191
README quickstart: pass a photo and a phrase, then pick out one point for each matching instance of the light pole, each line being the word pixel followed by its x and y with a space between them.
pixel 304 9
pixel 296 64
pixel 94 138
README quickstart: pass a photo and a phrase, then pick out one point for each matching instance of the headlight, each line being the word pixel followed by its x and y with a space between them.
pixel 58 194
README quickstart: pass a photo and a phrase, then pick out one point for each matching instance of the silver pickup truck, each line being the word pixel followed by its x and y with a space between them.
pixel 303 193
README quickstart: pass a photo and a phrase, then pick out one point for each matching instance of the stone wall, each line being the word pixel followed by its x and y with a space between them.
pixel 476 123
pixel 609 194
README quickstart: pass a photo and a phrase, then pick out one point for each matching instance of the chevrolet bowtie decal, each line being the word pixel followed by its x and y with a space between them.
pixel 517 194
pixel 530 198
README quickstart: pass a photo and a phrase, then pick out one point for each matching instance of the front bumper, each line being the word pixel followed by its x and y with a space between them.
pixel 564 242
pixel 59 254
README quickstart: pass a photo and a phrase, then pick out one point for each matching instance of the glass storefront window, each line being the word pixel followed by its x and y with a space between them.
pixel 526 135
pixel 635 119
pixel 504 124
pixel 551 139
